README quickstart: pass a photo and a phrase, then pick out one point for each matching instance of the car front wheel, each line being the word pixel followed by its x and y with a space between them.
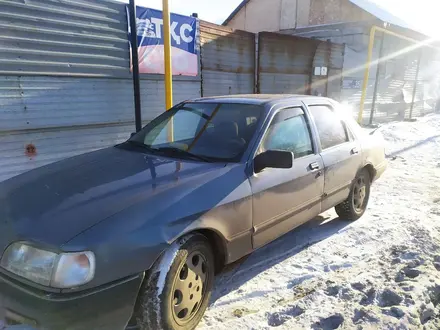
pixel 176 292
pixel 356 204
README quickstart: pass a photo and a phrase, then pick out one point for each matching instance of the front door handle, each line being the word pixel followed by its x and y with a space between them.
pixel 314 166
pixel 354 151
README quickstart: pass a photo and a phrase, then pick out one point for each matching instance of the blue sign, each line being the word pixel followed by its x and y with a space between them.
pixel 183 30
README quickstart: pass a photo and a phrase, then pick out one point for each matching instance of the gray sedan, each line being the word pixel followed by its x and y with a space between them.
pixel 132 235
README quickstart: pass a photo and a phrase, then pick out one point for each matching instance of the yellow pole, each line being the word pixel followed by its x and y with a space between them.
pixel 167 63
pixel 367 73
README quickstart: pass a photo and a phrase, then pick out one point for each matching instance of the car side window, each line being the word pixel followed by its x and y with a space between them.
pixel 289 131
pixel 331 129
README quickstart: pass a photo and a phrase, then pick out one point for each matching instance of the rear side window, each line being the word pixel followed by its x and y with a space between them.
pixel 331 129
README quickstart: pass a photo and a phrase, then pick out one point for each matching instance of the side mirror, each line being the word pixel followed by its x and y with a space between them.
pixel 273 159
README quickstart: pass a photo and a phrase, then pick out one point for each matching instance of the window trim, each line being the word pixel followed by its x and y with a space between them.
pixel 344 125
pixel 308 122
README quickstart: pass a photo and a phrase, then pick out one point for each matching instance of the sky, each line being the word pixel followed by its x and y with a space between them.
pixel 209 10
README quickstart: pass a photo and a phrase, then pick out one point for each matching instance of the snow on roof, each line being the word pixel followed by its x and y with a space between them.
pixel 235 12
pixel 414 15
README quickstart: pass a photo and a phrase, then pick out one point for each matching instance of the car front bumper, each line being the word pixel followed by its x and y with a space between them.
pixel 108 307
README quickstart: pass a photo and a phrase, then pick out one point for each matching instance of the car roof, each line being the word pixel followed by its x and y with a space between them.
pixel 257 99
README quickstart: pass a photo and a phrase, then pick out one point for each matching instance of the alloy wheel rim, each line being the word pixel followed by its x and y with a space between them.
pixel 359 194
pixel 189 288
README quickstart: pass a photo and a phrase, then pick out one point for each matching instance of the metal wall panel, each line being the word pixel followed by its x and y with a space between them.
pixel 36 103
pixel 45 111
pixel 279 83
pixel 321 59
pixel 335 71
pixel 337 56
pixel 54 145
pixel 331 56
pixel 227 60
pixel 29 103
pixel 65 85
pixel 227 83
pixel 82 38
pixel 285 63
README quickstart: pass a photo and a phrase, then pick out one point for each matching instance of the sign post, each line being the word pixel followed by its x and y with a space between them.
pixel 135 65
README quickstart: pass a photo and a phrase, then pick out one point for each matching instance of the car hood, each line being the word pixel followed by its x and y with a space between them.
pixel 54 203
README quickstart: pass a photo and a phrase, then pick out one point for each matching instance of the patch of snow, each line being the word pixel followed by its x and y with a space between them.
pixel 164 266
pixel 381 272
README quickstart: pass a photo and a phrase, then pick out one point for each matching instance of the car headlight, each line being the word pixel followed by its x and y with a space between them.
pixel 65 270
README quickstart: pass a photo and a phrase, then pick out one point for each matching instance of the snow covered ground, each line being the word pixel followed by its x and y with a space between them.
pixel 381 272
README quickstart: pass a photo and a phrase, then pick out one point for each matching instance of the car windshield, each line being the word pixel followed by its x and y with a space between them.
pixel 207 131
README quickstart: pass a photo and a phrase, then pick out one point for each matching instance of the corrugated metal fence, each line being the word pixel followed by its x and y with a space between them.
pixel 228 60
pixel 65 85
pixel 286 64
pixel 66 89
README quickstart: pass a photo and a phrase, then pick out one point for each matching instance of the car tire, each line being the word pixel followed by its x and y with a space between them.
pixel 356 204
pixel 176 292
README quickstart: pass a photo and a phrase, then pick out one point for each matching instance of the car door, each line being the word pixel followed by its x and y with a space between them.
pixel 286 198
pixel 340 152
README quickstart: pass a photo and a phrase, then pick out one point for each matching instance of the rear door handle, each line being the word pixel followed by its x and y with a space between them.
pixel 354 151
pixel 314 166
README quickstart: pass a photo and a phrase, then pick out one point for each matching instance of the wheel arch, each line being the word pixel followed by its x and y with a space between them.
pixel 216 240
pixel 217 243
pixel 371 171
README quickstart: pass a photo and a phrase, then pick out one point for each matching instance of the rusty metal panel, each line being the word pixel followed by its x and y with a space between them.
pixel 285 63
pixel 322 55
pixel 335 71
pixel 227 60
pixel 22 151
pixel 321 59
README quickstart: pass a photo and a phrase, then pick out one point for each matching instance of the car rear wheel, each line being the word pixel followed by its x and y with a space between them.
pixel 176 293
pixel 356 204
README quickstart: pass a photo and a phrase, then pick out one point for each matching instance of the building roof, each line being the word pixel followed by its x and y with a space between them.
pixel 395 12
pixel 235 12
